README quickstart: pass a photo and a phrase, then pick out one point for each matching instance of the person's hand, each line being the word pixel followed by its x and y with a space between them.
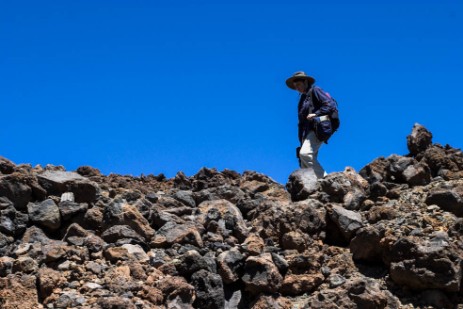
pixel 310 116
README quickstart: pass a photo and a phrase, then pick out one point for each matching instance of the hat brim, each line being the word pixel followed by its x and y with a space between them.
pixel 290 81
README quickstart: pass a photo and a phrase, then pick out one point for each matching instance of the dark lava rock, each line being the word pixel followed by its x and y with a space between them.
pixel 190 262
pixel 209 290
pixel 449 199
pixel 59 182
pixel 419 140
pixel 13 222
pixel 45 214
pixel 6 166
pixel 230 264
pixel 120 232
pixel 15 187
pixel 69 209
pixel 88 171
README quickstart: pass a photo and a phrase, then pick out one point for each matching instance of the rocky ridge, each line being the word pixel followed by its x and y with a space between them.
pixel 389 236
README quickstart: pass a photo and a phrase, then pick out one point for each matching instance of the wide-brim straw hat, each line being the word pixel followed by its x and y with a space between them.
pixel 299 76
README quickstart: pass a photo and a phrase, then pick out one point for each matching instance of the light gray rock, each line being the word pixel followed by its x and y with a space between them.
pixel 67 197
pixel 347 221
pixel 302 183
pixel 136 252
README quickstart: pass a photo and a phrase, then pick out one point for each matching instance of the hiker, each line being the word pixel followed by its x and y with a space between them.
pixel 315 106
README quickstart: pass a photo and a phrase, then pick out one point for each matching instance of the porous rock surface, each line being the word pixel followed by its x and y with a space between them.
pixel 390 236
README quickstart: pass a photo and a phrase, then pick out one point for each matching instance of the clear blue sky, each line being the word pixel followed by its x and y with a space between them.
pixel 151 87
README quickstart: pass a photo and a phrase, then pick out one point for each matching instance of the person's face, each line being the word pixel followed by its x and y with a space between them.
pixel 300 86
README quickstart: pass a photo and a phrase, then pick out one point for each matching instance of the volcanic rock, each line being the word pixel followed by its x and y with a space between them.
pixel 389 236
pixel 19 291
pixel 209 290
pixel 68 209
pixel 15 188
pixel 302 183
pixel 58 182
pixel 347 221
pixel 45 214
pixel 419 140
pixel 261 275
pixel 6 166
pixel 230 264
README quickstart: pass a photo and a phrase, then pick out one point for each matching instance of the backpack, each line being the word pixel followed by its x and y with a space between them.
pixel 325 128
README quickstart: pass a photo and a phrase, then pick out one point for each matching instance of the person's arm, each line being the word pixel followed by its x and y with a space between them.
pixel 325 101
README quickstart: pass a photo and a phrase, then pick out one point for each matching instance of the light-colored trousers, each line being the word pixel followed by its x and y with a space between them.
pixel 309 152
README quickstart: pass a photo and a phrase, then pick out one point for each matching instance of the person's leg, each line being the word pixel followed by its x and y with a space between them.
pixel 308 154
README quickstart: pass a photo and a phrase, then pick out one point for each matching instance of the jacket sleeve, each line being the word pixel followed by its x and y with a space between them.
pixel 325 102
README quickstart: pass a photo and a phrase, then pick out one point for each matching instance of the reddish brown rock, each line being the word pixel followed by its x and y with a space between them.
pixel 274 302
pixel 18 292
pixel 299 284
pixel 176 289
pixel 261 275
pixel 114 254
pixel 294 240
pixel 254 244
pixel 48 280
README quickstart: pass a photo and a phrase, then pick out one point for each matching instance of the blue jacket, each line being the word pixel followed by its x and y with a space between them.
pixel 314 101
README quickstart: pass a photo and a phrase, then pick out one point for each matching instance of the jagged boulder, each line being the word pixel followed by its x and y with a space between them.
pixel 172 233
pixel 57 182
pixel 445 162
pixel 45 214
pixel 422 264
pixel 347 187
pixel 449 199
pixel 231 215
pixel 119 212
pixel 230 265
pixel 348 222
pixel 15 187
pixel 419 140
pixel 6 166
pixel 302 183
pixel 261 275
pixel 366 243
pixel 12 221
pixel 209 290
